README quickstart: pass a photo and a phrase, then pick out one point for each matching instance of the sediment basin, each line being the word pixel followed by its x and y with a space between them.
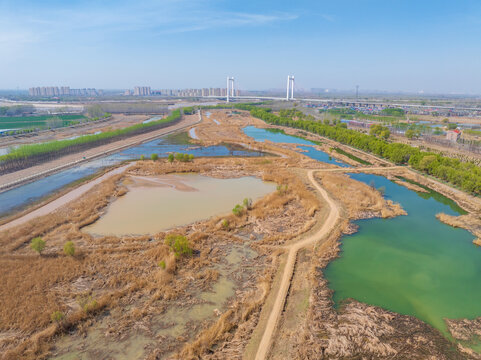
pixel 156 204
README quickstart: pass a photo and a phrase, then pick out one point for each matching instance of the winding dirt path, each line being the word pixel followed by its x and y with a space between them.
pixel 278 306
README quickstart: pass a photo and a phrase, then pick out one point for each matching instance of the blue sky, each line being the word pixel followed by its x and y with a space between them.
pixel 423 45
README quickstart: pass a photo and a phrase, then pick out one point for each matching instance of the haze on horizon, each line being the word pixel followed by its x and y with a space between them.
pixel 387 45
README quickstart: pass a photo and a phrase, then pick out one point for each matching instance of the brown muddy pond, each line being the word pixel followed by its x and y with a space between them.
pixel 159 203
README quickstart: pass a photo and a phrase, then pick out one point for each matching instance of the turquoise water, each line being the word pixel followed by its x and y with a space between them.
pixel 413 264
pixel 278 137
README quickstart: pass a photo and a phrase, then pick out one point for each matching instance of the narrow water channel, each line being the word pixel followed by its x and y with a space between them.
pixel 279 137
pixel 22 196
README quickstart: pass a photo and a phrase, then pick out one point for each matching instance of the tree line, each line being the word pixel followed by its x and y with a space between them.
pixel 16 110
pixel 29 155
pixel 465 175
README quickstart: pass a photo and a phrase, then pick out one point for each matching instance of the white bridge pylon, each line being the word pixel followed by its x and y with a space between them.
pixel 230 88
pixel 290 87
pixel 231 93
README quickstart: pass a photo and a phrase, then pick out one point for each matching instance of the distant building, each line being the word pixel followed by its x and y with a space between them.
pixel 51 91
pixel 453 135
pixel 65 90
pixel 142 91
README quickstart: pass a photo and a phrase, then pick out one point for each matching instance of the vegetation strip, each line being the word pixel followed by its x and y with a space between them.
pixel 351 156
pixel 465 175
pixel 28 155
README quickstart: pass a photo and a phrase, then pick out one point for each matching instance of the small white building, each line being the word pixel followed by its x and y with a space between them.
pixel 453 135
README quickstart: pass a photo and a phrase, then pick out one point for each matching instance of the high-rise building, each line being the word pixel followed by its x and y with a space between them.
pixel 65 90
pixel 142 91
pixel 51 91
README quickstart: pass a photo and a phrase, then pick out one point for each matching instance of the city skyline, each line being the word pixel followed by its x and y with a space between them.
pixel 397 46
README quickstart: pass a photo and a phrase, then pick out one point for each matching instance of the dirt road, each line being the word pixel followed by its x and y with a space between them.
pixel 57 203
pixel 25 175
pixel 276 310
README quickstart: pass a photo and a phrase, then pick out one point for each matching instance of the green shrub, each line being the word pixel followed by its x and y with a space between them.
pixel 225 224
pixel 247 203
pixel 410 134
pixel 178 244
pixel 393 112
pixel 142 157
pixel 183 157
pixel 69 248
pixel 154 157
pixel 162 264
pixel 171 158
pixel 37 244
pixel 189 110
pixel 87 303
pixel 238 210
pixel 57 316
pixel 380 131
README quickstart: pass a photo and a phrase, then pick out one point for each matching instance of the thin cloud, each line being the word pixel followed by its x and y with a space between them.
pixel 229 20
pixel 170 17
pixel 328 17
pixel 17 37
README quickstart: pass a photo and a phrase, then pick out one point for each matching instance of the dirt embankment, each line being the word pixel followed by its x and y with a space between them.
pixel 470 222
pixel 359 200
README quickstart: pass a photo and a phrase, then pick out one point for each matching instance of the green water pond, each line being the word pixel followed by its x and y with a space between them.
pixel 414 264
